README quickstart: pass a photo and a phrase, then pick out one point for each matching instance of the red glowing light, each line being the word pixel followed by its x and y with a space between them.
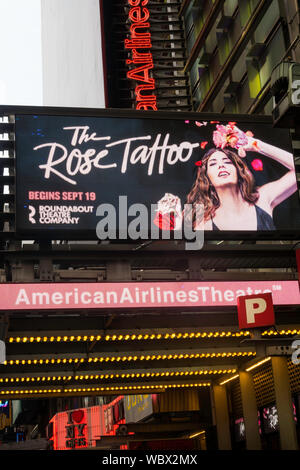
pixel 231 124
pixel 77 416
pixel 257 164
pixel 140 39
pixel 136 17
pixel 68 433
pixel 164 221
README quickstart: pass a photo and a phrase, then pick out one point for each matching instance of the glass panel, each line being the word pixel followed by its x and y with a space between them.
pixel 275 53
pixel 245 11
pixel 254 79
pixel 267 23
pixel 269 107
pixel 198 20
pixel 230 6
pixel 224 48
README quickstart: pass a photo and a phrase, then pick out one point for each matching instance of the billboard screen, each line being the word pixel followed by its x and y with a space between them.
pixel 109 177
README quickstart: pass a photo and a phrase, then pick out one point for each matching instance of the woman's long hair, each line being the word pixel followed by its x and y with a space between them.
pixel 204 193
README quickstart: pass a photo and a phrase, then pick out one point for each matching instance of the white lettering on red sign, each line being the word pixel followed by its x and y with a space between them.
pixel 256 310
pixel 142 294
pixel 254 307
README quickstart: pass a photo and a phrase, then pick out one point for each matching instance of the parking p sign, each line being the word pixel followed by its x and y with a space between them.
pixel 255 310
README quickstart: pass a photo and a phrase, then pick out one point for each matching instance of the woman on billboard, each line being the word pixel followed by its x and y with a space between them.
pixel 225 188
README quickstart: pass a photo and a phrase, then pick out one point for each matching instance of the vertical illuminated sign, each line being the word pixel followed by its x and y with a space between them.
pixel 75 429
pixel 139 43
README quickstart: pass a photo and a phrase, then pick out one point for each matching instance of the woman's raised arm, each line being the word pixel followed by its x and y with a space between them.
pixel 275 192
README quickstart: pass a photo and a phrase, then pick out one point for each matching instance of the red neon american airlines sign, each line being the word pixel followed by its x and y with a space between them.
pixel 141 294
pixel 141 56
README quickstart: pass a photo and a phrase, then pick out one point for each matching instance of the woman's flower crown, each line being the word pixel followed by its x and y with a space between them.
pixel 231 136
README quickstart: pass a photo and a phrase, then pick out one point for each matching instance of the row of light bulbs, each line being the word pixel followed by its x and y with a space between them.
pixel 116 376
pixel 145 336
pixel 280 332
pixel 127 337
pixel 146 357
pixel 123 388
pixel 80 390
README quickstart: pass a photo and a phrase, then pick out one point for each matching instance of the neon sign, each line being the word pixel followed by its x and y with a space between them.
pixel 140 41
pixel 75 429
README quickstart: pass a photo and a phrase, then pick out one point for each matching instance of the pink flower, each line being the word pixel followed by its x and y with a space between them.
pixel 230 136
pixel 257 165
pixel 232 124
pixel 220 137
pixel 233 140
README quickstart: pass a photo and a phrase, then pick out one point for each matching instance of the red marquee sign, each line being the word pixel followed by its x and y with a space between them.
pixel 140 41
pixel 255 310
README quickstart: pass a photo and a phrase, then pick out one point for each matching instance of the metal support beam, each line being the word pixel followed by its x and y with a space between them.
pixel 222 417
pixel 4 325
pixel 287 426
pixel 253 441
pixel 118 271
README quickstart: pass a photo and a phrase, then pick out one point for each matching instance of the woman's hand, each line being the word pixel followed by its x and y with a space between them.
pixel 169 203
pixel 248 143
pixel 231 136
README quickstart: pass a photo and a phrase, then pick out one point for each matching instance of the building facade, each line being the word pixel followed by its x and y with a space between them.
pixel 232 48
pixel 54 57
pixel 228 387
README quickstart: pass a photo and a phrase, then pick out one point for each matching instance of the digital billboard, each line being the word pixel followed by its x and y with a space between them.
pixel 128 177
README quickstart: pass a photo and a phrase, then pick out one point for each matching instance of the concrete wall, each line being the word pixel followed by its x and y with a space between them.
pixel 71 53
pixel 21 53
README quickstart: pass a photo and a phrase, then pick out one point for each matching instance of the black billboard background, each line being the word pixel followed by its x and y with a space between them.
pixel 109 184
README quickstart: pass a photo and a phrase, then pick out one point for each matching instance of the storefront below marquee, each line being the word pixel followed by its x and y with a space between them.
pixel 211 379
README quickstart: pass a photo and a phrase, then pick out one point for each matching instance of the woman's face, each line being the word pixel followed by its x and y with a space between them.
pixel 220 170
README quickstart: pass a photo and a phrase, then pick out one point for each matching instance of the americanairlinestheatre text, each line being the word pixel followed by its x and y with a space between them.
pixel 131 296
